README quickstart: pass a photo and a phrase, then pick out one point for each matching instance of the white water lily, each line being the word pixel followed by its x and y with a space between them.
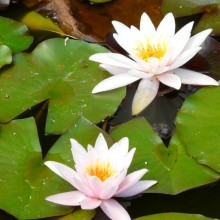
pixel 100 174
pixel 155 55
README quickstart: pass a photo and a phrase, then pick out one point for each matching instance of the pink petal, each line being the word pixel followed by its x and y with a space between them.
pixel 69 175
pixel 170 80
pixel 114 82
pixel 195 78
pixel 128 158
pixel 72 198
pixel 78 151
pixel 108 191
pixel 90 203
pixel 167 26
pixel 119 149
pixel 116 179
pixel 101 145
pixel 114 210
pixel 131 180
pixel 95 184
pixel 146 92
pixel 146 25
pixel 137 188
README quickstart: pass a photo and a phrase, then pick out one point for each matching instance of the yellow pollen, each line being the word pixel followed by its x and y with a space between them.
pixel 101 170
pixel 157 51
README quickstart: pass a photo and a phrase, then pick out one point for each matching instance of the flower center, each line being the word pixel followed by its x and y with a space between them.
pixel 157 50
pixel 101 170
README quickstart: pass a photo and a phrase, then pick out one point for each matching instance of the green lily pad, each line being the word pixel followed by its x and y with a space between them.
pixel 25 181
pixel 173 216
pixel 170 166
pixel 210 18
pixel 5 55
pixel 58 70
pixel 78 214
pixel 198 126
pixel 14 35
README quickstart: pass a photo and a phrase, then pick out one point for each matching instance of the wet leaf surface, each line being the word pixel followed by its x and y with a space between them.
pixel 14 35
pixel 66 78
pixel 170 166
pixel 197 126
pixel 173 216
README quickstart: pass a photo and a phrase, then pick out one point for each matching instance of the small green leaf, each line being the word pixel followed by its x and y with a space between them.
pixel 5 55
pixel 173 216
pixel 58 70
pixel 170 166
pixel 14 34
pixel 210 10
pixel 78 214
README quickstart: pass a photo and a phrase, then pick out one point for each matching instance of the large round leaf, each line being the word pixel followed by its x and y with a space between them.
pixel 25 181
pixel 198 126
pixel 59 70
pixel 173 216
pixel 14 34
pixel 210 18
pixel 171 166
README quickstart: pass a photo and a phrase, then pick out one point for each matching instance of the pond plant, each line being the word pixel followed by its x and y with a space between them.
pixel 62 90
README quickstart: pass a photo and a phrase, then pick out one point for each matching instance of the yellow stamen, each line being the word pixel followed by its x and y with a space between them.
pixel 150 50
pixel 101 170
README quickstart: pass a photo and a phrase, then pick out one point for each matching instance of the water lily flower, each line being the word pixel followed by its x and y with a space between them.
pixel 100 174
pixel 155 56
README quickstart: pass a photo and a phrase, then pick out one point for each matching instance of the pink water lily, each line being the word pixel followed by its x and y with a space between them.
pixel 100 174
pixel 155 56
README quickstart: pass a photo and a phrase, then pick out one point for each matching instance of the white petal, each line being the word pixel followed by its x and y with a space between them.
pixel 146 92
pixel 131 180
pixel 68 174
pixel 137 188
pixel 167 26
pixel 142 63
pixel 78 151
pixel 128 158
pixel 183 36
pixel 90 203
pixel 195 78
pixel 121 28
pixel 119 149
pixel 72 198
pixel 170 80
pixel 184 57
pixel 114 82
pixel 100 144
pixel 197 40
pixel 114 210
pixel 114 70
pixel 95 184
pixel 128 42
pixel 114 59
pixel 108 191
pixel 146 25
